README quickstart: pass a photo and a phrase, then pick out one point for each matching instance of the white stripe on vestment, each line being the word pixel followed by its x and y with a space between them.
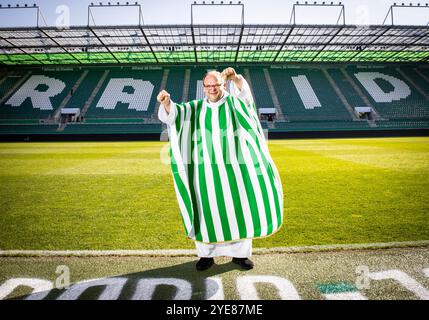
pixel 208 174
pixel 181 132
pixel 251 122
pixel 239 178
pixel 186 142
pixel 254 180
pixel 267 184
pixel 197 190
pixel 182 173
pixel 266 153
pixel 276 177
pixel 229 205
pixel 264 149
pixel 189 229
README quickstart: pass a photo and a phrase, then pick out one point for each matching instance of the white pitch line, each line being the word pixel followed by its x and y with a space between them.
pixel 186 252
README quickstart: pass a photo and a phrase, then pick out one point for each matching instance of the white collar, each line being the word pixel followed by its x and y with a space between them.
pixel 218 103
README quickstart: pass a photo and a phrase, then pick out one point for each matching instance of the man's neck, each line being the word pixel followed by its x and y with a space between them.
pixel 223 94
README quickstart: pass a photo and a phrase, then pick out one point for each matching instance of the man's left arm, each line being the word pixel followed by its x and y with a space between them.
pixel 240 88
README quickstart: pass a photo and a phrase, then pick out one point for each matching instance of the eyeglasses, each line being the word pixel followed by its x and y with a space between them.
pixel 212 86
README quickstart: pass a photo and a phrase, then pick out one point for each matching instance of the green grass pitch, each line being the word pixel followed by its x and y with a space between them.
pixel 120 195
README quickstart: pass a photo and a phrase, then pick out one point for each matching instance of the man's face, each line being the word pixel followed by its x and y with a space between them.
pixel 213 88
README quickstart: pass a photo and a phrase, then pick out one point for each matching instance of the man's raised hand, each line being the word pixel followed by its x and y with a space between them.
pixel 164 98
pixel 229 74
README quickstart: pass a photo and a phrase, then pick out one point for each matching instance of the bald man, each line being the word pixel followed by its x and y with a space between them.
pixel 227 186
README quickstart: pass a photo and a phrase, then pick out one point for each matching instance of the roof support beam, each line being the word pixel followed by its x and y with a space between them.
pixel 60 46
pixel 18 48
pixel 329 41
pixel 194 44
pixel 106 47
pixel 239 43
pixel 365 46
pixel 283 44
pixel 407 46
pixel 150 47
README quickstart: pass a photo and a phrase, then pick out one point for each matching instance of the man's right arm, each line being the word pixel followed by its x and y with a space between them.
pixel 167 110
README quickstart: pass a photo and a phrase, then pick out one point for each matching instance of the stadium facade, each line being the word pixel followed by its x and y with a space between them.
pixel 102 81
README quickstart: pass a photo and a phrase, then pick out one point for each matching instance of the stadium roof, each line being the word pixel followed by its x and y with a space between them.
pixel 193 44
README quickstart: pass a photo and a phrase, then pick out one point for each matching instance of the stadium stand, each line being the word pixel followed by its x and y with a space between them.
pixel 85 89
pixel 304 76
pixel 195 84
pixel 113 128
pixel 345 86
pixel 260 88
pixel 390 93
pixel 28 128
pixel 123 99
pixel 305 94
pixel 175 83
pixel 39 96
pixel 126 93
pixel 7 82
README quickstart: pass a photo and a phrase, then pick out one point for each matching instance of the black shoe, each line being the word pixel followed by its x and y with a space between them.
pixel 245 263
pixel 204 263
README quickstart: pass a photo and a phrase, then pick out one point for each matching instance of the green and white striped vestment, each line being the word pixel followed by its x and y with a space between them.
pixel 227 186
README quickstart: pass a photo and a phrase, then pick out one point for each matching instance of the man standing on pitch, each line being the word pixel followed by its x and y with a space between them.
pixel 228 188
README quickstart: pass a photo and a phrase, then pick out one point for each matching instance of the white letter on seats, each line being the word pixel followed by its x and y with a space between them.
pixel 41 287
pixel 247 290
pixel 306 92
pixel 39 99
pixel 139 100
pixel 400 89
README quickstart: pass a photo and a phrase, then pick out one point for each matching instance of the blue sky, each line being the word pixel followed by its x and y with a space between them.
pixel 60 12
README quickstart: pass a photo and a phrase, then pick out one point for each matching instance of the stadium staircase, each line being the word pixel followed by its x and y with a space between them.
pixel 57 113
pixel 340 95
pixel 3 78
pixel 279 114
pixel 15 87
pixel 94 93
pixel 422 76
pixel 357 89
pixel 186 81
pixel 413 83
pixel 154 115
